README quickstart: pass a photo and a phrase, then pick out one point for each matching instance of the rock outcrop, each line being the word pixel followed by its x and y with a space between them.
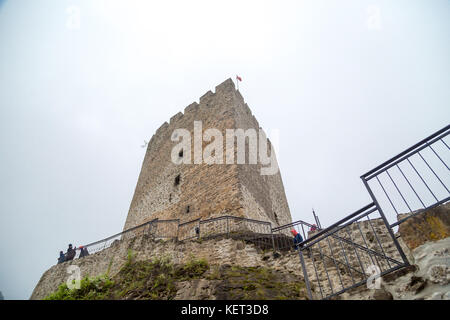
pixel 432 225
pixel 219 253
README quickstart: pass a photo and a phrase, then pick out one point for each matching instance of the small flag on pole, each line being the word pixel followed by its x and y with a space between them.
pixel 237 81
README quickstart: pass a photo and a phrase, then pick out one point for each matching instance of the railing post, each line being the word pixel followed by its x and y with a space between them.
pixel 305 274
pixel 386 223
pixel 316 219
pixel 273 238
pixel 228 227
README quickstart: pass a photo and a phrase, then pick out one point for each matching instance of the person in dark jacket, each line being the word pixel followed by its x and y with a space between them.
pixel 61 258
pixel 70 254
pixel 297 238
pixel 83 251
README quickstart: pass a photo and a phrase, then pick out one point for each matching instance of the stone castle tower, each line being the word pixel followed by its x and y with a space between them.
pixel 166 190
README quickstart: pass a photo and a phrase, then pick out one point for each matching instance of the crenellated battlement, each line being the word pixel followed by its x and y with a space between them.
pixel 210 99
pixel 192 108
pixel 162 129
pixel 176 117
pixel 226 86
pixel 207 97
pixel 205 101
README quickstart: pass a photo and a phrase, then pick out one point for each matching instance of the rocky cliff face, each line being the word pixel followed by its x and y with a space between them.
pixel 427 278
pixel 232 265
pixel 426 242
pixel 160 279
pixel 431 225
pixel 430 277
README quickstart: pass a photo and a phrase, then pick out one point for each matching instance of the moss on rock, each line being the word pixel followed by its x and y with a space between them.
pixel 160 279
pixel 258 283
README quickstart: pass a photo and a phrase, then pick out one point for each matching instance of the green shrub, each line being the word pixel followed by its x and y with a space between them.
pixel 90 289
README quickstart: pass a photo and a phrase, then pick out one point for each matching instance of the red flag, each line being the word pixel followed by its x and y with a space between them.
pixel 239 78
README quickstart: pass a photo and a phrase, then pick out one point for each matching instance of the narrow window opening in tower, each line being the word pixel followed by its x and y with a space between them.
pixel 180 154
pixel 188 209
pixel 177 180
pixel 276 218
pixel 170 197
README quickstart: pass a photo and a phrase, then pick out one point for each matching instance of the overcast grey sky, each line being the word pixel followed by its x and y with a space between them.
pixel 349 84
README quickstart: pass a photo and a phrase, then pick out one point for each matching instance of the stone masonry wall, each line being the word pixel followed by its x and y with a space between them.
pixel 206 191
pixel 217 252
pixel 264 197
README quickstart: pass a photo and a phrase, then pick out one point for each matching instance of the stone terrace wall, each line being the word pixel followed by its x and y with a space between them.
pixel 216 251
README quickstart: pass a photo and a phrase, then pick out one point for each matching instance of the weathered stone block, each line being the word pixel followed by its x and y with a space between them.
pixel 431 225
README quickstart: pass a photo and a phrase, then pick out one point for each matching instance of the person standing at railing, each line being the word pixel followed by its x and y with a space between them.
pixel 197 232
pixel 297 238
pixel 83 251
pixel 312 230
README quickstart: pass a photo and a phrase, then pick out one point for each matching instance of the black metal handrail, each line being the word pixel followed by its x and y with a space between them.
pixel 333 232
pixel 188 222
pixel 330 228
pixel 417 191
pixel 120 233
pixel 419 146
pixel 377 257
pixel 291 225
pixel 158 221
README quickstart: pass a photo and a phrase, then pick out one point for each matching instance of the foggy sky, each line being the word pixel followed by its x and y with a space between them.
pixel 348 84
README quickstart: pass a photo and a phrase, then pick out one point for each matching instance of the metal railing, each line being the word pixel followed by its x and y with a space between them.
pixel 406 185
pixel 316 219
pixel 321 246
pixel 413 181
pixel 145 228
pixel 344 255
pixel 250 230
pixel 282 236
pixel 189 230
pixel 165 229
